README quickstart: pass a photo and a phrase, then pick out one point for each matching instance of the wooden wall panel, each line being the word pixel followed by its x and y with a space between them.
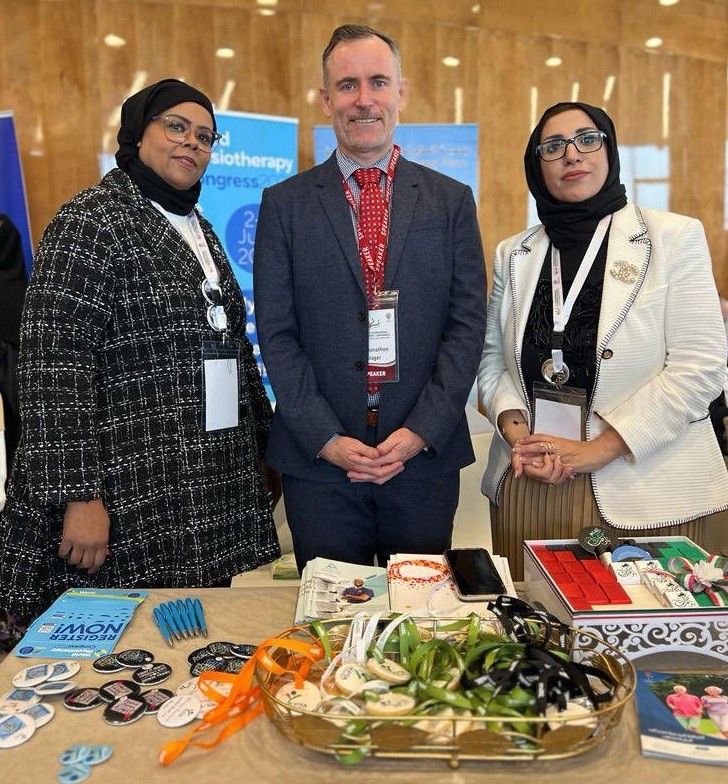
pixel 66 86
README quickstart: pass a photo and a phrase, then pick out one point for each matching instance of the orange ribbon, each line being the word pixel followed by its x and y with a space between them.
pixel 244 703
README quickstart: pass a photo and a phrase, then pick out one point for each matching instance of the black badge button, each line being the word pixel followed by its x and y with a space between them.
pixel 243 651
pixel 113 690
pixel 219 648
pixel 134 657
pixel 125 710
pixel 198 655
pixel 216 663
pixel 234 666
pixel 107 663
pixel 151 674
pixel 155 698
pixel 82 699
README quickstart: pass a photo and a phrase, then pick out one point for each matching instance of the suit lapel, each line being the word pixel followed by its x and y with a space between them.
pixel 404 198
pixel 628 257
pixel 525 267
pixel 333 201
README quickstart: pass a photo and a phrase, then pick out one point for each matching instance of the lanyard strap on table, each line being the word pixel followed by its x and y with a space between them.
pixel 244 703
pixel 562 309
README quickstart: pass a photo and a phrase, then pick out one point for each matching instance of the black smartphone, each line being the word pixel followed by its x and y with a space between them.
pixel 474 574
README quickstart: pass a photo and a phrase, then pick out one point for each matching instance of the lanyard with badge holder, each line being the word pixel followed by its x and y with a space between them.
pixel 219 409
pixel 557 409
pixel 383 306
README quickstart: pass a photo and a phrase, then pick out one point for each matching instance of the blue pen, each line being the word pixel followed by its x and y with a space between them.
pixel 162 626
pixel 169 616
pixel 183 615
pixel 190 607
pixel 200 617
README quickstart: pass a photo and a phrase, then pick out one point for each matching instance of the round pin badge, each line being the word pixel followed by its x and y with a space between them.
pixel 108 663
pixel 17 700
pixel 113 690
pixel 188 687
pixel 40 713
pixel 15 729
pixel 198 655
pixel 82 699
pixel 155 698
pixel 151 674
pixel 125 710
pixel 63 670
pixel 98 754
pixel 74 754
pixel 233 666
pixel 243 650
pixel 54 688
pixel 72 774
pixel 178 711
pixel 219 648
pixel 211 664
pixel 32 676
pixel 134 657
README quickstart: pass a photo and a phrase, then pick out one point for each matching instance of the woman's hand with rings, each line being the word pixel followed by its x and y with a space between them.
pixel 537 456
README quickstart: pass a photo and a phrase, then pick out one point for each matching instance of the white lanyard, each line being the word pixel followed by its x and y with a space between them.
pixel 203 251
pixel 561 309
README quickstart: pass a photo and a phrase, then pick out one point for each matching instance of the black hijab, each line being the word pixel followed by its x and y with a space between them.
pixel 571 224
pixel 136 113
pixel 12 281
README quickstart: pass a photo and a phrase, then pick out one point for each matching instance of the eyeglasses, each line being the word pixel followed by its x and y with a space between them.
pixel 589 141
pixel 216 316
pixel 178 129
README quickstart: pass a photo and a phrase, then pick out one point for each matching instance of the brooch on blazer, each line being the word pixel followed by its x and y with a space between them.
pixel 624 271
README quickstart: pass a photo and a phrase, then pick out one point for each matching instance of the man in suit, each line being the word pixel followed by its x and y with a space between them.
pixel 369 468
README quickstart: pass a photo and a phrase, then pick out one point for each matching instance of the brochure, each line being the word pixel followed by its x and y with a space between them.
pixel 415 583
pixel 83 623
pixel 683 716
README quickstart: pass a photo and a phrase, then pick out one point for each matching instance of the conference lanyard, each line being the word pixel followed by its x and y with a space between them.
pixel 375 261
pixel 562 309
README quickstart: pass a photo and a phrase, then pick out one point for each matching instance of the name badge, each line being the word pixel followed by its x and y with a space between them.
pixel 559 411
pixel 383 336
pixel 220 409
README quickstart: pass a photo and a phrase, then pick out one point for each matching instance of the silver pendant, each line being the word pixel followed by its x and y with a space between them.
pixel 557 379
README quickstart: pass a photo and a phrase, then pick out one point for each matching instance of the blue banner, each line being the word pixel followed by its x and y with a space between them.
pixel 447 148
pixel 12 188
pixel 255 151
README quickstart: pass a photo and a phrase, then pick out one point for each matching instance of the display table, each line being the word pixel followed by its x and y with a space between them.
pixel 259 753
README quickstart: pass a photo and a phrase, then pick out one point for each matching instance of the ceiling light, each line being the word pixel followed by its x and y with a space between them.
pixel 653 43
pixel 265 11
pixel 669 2
pixel 225 52
pixel 114 41
pixel 552 62
pixel 267 2
pixel 451 62
pixel 475 9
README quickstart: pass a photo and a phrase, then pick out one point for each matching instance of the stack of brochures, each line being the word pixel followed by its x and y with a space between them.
pixel 83 623
pixel 420 584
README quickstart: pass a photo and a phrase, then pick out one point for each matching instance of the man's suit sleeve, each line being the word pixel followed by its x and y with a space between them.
pixel 307 414
pixel 440 405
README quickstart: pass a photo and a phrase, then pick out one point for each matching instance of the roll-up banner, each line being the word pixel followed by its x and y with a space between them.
pixel 255 151
pixel 12 188
pixel 447 148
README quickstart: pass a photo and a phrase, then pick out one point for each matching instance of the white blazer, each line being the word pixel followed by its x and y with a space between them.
pixel 661 359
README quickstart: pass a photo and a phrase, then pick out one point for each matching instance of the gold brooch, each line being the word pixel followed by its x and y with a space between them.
pixel 624 272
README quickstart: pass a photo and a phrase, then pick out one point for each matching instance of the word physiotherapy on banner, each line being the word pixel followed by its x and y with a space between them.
pixel 255 151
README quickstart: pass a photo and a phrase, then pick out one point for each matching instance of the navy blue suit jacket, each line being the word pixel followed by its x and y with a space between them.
pixel 311 314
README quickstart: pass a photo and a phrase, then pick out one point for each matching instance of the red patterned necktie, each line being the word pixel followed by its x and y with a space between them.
pixel 371 215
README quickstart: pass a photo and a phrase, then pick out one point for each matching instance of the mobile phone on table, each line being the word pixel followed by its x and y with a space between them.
pixel 474 574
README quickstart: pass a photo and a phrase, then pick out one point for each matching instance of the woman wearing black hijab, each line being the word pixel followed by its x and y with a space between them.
pixel 145 418
pixel 604 348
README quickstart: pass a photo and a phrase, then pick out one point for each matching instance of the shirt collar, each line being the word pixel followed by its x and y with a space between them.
pixel 347 165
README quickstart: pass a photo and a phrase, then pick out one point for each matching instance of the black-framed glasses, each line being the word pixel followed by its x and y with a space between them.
pixel 216 316
pixel 588 141
pixel 178 129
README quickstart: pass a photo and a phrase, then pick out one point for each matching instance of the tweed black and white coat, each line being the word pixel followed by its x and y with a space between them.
pixel 111 398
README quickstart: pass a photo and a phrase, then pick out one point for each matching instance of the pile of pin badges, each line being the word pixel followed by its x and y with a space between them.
pixel 22 711
pixel 78 760
pixel 220 656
